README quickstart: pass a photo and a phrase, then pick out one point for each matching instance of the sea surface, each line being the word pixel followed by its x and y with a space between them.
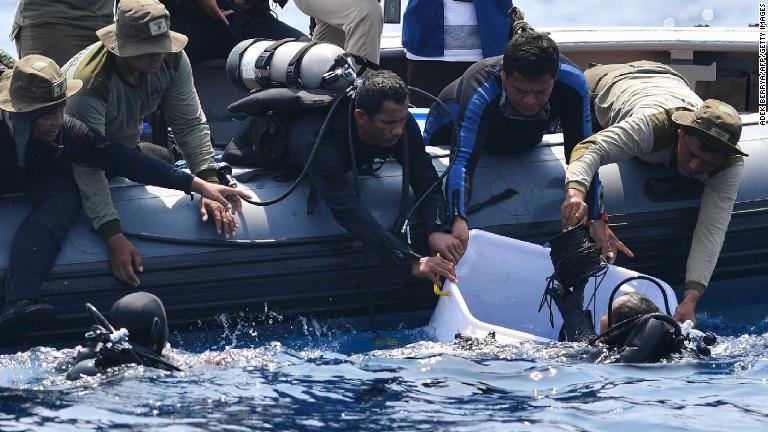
pixel 327 376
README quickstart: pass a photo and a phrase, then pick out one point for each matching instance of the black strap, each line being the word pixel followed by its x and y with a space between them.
pixel 495 199
pixel 293 73
pixel 265 58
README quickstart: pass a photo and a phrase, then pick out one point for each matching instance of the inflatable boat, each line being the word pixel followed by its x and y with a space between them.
pixel 293 259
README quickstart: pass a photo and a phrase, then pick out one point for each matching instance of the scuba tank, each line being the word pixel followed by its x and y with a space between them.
pixel 258 63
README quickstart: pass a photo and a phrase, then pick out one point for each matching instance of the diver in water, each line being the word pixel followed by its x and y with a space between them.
pixel 628 306
pixel 136 334
pixel 636 332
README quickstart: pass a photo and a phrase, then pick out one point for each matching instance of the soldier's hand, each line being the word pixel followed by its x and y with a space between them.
pixel 223 219
pixel 123 256
pixel 574 209
pixel 606 240
pixel 211 8
pixel 686 310
pixel 228 197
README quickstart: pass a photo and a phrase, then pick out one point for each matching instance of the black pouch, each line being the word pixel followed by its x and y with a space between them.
pixel 259 142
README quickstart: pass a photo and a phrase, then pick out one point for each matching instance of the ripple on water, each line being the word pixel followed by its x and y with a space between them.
pixel 330 377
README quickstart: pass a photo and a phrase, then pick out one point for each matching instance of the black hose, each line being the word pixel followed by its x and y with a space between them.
pixel 404 185
pixel 630 279
pixel 440 179
pixel 613 330
pixel 352 156
pixel 311 157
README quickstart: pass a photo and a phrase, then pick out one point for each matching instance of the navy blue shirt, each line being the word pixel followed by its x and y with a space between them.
pixel 76 143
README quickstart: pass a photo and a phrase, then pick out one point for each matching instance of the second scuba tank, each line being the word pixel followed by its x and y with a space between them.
pixel 258 63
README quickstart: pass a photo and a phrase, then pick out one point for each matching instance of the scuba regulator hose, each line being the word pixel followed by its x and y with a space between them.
pixel 405 221
pixel 311 157
pixel 683 333
pixel 402 222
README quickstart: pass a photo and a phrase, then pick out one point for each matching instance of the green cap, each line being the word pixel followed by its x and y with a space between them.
pixel 141 27
pixel 35 82
pixel 719 121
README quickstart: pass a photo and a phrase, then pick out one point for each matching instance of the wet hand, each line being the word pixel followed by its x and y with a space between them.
pixel 606 240
pixel 223 219
pixel 123 256
pixel 460 231
pixel 448 246
pixel 212 9
pixel 433 268
pixel 574 209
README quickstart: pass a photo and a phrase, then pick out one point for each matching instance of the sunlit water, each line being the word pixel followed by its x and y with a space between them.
pixel 331 377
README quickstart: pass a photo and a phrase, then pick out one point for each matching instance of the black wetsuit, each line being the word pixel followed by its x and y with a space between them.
pixel 49 185
pixel 333 161
pixel 475 100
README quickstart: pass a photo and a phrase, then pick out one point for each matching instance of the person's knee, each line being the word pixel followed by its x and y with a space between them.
pixel 59 212
pixel 370 14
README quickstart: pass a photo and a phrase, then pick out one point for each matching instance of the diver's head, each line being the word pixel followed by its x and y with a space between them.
pixel 143 315
pixel 628 306
pixel 530 65
pixel 381 109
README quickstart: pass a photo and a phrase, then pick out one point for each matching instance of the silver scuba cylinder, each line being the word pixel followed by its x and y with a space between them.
pixel 258 63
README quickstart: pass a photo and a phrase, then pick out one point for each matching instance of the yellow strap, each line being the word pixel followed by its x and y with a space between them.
pixel 436 288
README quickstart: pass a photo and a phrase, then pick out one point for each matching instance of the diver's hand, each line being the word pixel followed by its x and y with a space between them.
pixel 224 219
pixel 212 9
pixel 574 208
pixel 448 246
pixel 433 268
pixel 122 258
pixel 606 240
pixel 460 231
pixel 229 197
pixel 686 310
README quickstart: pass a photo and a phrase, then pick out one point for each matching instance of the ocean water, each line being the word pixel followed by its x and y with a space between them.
pixel 327 377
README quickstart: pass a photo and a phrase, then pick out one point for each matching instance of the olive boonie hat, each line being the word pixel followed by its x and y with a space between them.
pixel 719 121
pixel 35 82
pixel 141 27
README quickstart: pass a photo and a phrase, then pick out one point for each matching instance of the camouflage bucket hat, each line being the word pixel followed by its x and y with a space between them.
pixel 141 27
pixel 35 82
pixel 719 121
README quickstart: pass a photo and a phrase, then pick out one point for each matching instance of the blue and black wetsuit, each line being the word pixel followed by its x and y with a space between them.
pixel 475 100
pixel 333 161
